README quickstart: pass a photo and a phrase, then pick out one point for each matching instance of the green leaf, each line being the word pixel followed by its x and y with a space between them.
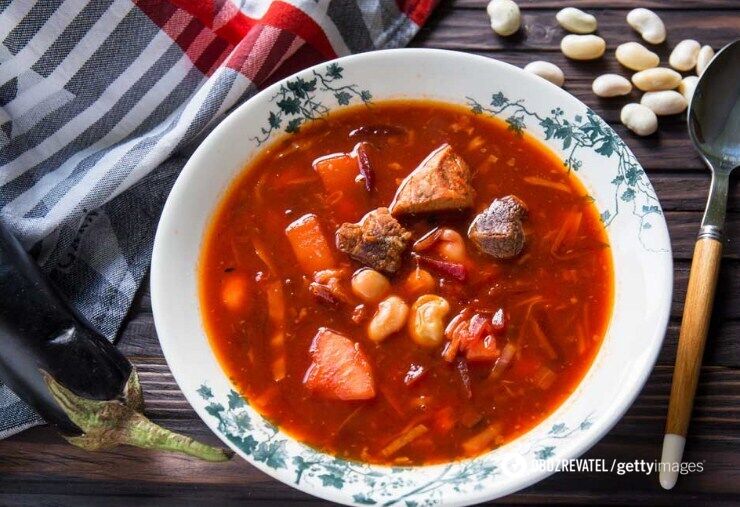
pixel 606 149
pixel 274 120
pixel 243 421
pixel 362 499
pixel 333 480
pixel 476 108
pixel 366 96
pixel 578 118
pixel 647 225
pixel 545 453
pixel 631 175
pixel 277 455
pixel 628 195
pixel 334 71
pixel 516 124
pixel 558 428
pixel 294 125
pixel 606 215
pixel 343 98
pixel 215 409
pixel 617 180
pixel 205 392
pixel 235 400
pixel 271 454
pixel 290 105
pixel 246 444
pixel 498 99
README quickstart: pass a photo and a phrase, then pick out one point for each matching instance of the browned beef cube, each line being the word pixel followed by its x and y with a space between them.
pixel 498 230
pixel 440 183
pixel 378 240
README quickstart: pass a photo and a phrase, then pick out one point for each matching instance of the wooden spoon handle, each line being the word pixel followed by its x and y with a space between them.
pixel 694 326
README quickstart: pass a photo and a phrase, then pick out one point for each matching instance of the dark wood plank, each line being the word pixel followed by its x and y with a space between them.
pixel 470 30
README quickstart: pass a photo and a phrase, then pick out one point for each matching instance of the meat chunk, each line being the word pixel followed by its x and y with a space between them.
pixel 497 231
pixel 440 183
pixel 378 240
pixel 339 369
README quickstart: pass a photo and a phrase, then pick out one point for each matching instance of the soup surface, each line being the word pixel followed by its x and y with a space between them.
pixel 491 292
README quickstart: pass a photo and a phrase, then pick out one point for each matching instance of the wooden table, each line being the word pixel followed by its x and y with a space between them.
pixel 37 467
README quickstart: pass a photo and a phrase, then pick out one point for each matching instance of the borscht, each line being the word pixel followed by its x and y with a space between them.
pixel 406 283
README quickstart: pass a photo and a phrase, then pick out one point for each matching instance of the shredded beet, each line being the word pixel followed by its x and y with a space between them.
pixel 366 169
pixel 453 270
pixel 377 131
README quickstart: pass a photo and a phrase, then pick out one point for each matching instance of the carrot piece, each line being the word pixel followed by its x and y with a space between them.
pixel 235 292
pixel 338 173
pixel 276 316
pixel 403 440
pixel 309 244
pixel 483 440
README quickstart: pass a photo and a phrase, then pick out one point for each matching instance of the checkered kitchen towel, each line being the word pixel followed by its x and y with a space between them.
pixel 102 102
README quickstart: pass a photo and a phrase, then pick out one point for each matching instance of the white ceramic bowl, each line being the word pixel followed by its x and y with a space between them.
pixel 635 224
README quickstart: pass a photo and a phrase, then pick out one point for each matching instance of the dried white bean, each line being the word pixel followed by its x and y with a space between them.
pixel 687 87
pixel 576 21
pixel 583 47
pixel 648 24
pixel 706 53
pixel 370 285
pixel 639 119
pixel 683 57
pixel 664 102
pixel 505 16
pixel 390 318
pixel 547 70
pixel 635 56
pixel 611 85
pixel 659 78
pixel 426 322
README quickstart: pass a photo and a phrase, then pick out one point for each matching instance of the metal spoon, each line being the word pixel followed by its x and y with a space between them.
pixel 714 127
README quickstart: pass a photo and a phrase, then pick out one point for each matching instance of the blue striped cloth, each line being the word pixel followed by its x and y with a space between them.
pixel 102 102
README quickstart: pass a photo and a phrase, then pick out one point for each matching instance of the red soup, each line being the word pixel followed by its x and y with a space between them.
pixel 406 283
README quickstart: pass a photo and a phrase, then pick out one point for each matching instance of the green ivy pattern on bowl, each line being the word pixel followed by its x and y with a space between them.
pixel 297 100
pixel 368 485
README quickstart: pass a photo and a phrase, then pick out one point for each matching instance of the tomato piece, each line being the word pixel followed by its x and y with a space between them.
pixel 340 370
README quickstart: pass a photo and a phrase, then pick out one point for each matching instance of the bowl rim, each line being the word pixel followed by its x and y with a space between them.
pixel 600 428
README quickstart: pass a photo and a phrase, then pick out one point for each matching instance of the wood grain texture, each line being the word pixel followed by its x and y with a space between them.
pixel 694 329
pixel 38 468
